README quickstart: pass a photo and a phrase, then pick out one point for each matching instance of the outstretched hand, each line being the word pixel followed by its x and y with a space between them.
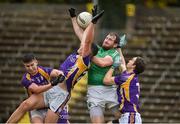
pixel 58 79
pixel 122 41
pixel 97 16
pixel 72 12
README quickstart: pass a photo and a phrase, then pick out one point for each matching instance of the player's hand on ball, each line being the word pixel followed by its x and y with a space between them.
pixel 72 12
pixel 122 41
pixel 97 17
pixel 94 10
pixel 58 79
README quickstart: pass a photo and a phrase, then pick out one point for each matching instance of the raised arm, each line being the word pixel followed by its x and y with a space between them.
pixel 123 62
pixel 88 35
pixel 77 29
pixel 121 44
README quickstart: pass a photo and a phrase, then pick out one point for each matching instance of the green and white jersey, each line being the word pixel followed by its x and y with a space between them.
pixel 96 73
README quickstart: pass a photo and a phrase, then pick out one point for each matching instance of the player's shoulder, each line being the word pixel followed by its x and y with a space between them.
pixel 44 68
pixel 73 55
pixel 26 76
pixel 113 52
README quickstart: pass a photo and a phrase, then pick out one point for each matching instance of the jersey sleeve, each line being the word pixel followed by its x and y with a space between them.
pixel 115 55
pixel 119 79
pixel 26 82
pixel 47 70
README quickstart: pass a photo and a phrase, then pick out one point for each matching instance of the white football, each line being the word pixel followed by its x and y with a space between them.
pixel 83 19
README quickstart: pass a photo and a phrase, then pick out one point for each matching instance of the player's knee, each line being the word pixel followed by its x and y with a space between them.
pixel 25 106
pixel 36 120
pixel 96 111
pixel 116 112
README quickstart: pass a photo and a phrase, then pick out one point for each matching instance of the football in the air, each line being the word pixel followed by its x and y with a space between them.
pixel 83 19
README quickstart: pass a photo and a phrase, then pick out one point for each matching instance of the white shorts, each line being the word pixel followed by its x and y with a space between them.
pixel 55 97
pixel 41 113
pixel 102 96
pixel 128 118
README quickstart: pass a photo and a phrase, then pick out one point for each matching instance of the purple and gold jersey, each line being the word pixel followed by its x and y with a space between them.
pixel 42 77
pixel 128 92
pixel 74 68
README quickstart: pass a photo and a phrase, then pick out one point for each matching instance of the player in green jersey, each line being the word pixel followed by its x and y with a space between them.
pixel 107 55
pixel 99 95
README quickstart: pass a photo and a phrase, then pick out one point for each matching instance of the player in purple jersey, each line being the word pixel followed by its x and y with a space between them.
pixel 58 96
pixel 103 61
pixel 36 80
pixel 128 88
pixel 77 63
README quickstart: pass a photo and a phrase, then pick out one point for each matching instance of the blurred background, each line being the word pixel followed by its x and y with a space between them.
pixel 44 28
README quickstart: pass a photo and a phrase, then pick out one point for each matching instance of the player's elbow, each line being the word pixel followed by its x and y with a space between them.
pixel 102 64
pixel 34 88
pixel 106 81
pixel 36 91
pixel 106 63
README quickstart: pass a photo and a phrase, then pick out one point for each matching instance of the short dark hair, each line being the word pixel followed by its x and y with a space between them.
pixel 117 37
pixel 28 57
pixel 140 65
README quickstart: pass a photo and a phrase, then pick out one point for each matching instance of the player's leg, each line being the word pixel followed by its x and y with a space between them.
pixel 97 114
pixel 38 115
pixel 57 99
pixel 51 116
pixel 61 116
pixel 33 102
pixel 110 95
pixel 96 104
pixel 116 113
pixel 38 120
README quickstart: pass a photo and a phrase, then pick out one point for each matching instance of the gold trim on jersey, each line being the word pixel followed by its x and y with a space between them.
pixel 125 87
pixel 122 101
pixel 135 108
pixel 81 66
pixel 28 76
pixel 43 73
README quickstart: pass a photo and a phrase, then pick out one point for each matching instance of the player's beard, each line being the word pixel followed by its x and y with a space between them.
pixel 106 47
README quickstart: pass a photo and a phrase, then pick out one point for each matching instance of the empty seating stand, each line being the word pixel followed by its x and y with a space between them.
pixel 160 84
